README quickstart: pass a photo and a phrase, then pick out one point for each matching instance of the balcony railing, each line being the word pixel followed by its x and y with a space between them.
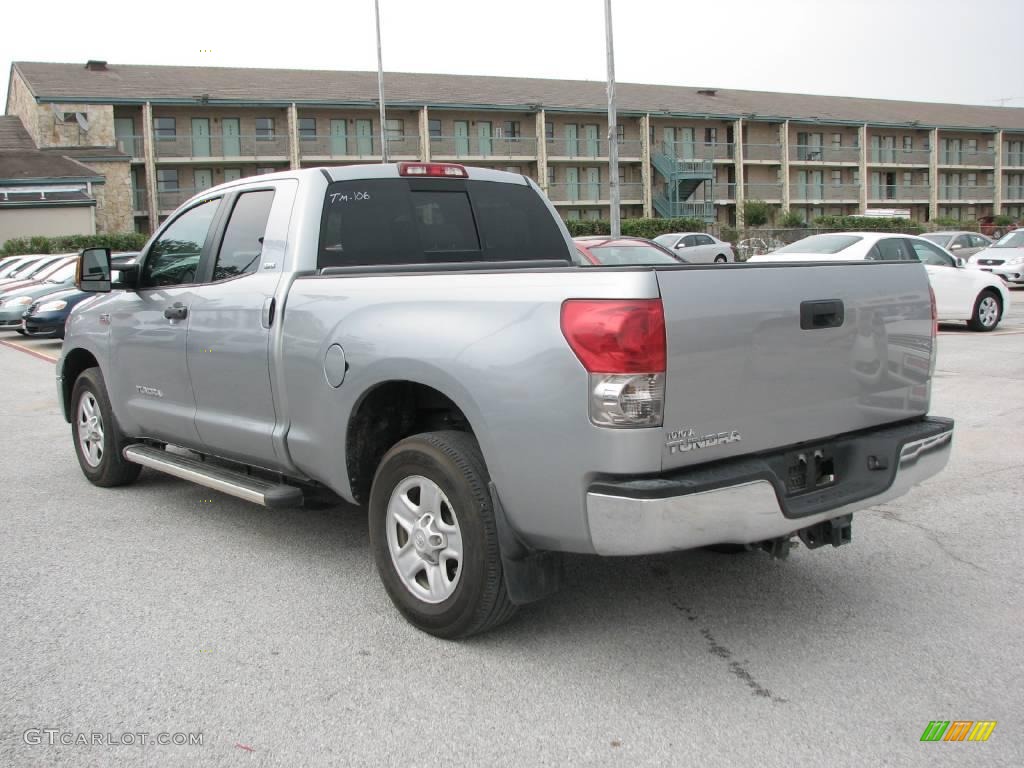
pixel 763 152
pixel 132 145
pixel 222 147
pixel 342 147
pixel 697 150
pixel 983 157
pixel 169 199
pixel 982 193
pixel 591 148
pixel 593 192
pixel 499 147
pixel 723 192
pixel 762 191
pixel 894 156
pixel 1014 159
pixel 701 209
pixel 1013 192
pixel 813 192
pixel 813 153
pixel 140 199
pixel 906 193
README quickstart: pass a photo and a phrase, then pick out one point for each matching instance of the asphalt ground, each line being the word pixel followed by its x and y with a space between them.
pixel 168 608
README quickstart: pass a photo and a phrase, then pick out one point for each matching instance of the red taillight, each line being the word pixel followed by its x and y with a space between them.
pixel 445 170
pixel 935 313
pixel 616 336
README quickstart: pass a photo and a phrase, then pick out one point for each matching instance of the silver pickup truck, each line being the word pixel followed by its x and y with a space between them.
pixel 414 339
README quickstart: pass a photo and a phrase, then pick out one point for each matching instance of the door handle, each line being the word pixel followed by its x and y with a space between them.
pixel 176 311
pixel 827 313
pixel 267 315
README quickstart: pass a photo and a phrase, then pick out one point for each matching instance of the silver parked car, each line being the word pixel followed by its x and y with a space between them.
pixel 962 244
pixel 697 247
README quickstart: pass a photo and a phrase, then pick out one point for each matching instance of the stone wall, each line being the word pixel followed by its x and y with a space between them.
pixel 114 198
pixel 22 103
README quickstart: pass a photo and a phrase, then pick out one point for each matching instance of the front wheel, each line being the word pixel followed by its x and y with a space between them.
pixel 988 311
pixel 434 536
pixel 98 442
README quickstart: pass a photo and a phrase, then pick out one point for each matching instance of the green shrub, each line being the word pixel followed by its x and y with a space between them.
pixel 115 241
pixel 648 228
pixel 868 224
pixel 944 222
pixel 730 234
pixel 756 213
pixel 1002 221
pixel 791 220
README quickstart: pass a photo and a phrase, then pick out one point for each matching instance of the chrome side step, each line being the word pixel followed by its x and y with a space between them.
pixel 274 495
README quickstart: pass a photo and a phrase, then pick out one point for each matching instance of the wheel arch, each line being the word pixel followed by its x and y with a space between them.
pixel 74 362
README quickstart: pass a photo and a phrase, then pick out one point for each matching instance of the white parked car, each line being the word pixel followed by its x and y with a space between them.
pixel 977 297
pixel 697 247
pixel 1004 258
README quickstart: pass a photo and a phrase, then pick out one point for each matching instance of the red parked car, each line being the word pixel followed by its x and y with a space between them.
pixel 621 251
pixel 987 226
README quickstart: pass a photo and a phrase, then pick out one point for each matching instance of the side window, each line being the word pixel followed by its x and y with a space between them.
pixel 874 254
pixel 704 240
pixel 174 257
pixel 977 241
pixel 962 241
pixel 894 249
pixel 929 254
pixel 242 245
pixel 689 241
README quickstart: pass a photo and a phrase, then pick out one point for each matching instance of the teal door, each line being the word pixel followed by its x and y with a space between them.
pixel 572 183
pixel 593 188
pixel 483 132
pixel 124 133
pixel 232 174
pixel 200 137
pixel 364 137
pixel 668 141
pixel 590 141
pixel 339 138
pixel 461 138
pixel 688 144
pixel 572 140
pixel 203 179
pixel 232 140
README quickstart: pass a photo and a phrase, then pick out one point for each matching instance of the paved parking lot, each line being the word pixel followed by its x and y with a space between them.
pixel 165 607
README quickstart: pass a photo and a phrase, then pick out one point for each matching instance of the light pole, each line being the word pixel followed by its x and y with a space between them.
pixel 380 88
pixel 613 129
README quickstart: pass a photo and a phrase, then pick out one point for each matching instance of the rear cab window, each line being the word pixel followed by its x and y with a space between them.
pixel 402 221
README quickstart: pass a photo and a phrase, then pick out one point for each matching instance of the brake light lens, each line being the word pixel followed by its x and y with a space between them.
pixel 616 336
pixel 444 170
pixel 622 346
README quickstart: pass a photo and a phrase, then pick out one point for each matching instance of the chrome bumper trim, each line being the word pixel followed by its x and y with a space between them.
pixel 737 514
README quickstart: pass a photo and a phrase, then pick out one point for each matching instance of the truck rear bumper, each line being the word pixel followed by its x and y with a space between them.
pixel 753 499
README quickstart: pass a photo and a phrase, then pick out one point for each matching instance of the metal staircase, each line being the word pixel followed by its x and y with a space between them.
pixel 683 177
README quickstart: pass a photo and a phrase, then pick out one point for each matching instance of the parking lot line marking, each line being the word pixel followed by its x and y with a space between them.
pixel 28 350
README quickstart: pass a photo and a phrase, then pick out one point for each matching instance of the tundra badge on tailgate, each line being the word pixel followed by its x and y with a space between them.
pixel 683 440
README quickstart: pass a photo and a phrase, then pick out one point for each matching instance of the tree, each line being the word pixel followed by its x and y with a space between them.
pixel 755 213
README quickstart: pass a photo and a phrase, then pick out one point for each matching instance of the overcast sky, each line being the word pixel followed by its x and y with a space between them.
pixel 928 50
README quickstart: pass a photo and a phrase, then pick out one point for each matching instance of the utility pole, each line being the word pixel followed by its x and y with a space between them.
pixel 613 129
pixel 380 89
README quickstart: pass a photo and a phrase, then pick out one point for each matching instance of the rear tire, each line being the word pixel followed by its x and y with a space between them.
pixel 720 259
pixel 434 537
pixel 21 331
pixel 988 311
pixel 98 441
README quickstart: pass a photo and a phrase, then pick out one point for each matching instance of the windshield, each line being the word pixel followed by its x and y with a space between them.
pixel 621 255
pixel 938 239
pixel 1011 240
pixel 18 268
pixel 67 272
pixel 46 264
pixel 821 244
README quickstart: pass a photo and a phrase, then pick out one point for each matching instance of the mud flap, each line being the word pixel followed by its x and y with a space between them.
pixel 530 574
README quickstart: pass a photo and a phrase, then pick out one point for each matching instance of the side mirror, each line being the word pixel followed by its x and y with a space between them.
pixel 955 247
pixel 680 245
pixel 960 262
pixel 125 272
pixel 93 272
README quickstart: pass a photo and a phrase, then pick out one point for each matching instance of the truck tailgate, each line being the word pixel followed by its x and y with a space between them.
pixel 763 356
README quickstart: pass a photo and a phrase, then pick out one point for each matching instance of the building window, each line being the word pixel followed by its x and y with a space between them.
pixel 394 129
pixel 837 177
pixel 551 175
pixel 434 127
pixel 307 128
pixel 837 140
pixel 972 146
pixel 513 169
pixel 710 136
pixel 549 131
pixel 264 129
pixel 572 215
pixel 856 175
pixel 908 143
pixel 261 171
pixel 620 133
pixel 511 129
pixel 164 128
pixel 167 179
pixel 908 179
